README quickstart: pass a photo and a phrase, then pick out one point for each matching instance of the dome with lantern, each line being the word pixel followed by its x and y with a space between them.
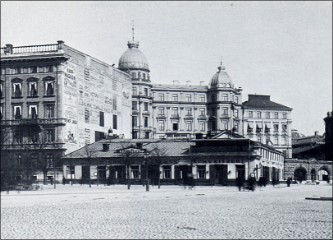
pixel 221 79
pixel 133 58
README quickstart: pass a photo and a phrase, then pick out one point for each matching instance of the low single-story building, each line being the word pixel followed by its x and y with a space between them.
pixel 219 160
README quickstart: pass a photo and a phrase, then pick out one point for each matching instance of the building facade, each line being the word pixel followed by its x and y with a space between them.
pixel 171 111
pixel 56 99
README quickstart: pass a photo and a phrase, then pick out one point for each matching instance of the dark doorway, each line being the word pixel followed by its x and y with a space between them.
pixel 117 174
pixel 313 175
pixel 219 174
pixel 101 171
pixel 85 174
pixel 183 174
pixel 300 174
pixel 240 171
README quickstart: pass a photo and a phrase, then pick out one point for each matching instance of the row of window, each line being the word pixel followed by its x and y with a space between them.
pixel 274 140
pixel 34 137
pixel 267 127
pixel 32 110
pixel 32 89
pixel 32 69
pixel 267 115
pixel 225 98
pixel 174 111
pixel 145 91
pixel 224 125
pixel 270 155
pixel 175 97
pixel 139 75
pixel 48 157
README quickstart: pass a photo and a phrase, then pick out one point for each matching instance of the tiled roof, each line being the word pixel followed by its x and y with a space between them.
pixel 169 148
pixel 263 102
pixel 309 140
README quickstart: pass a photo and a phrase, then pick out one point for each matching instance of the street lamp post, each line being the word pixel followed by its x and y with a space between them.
pixel 147 179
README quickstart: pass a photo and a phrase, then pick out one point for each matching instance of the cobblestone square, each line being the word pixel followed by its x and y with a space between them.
pixel 80 212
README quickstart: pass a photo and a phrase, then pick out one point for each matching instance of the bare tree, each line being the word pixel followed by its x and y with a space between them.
pixel 158 153
pixel 127 153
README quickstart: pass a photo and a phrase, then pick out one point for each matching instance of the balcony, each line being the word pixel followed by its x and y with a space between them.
pixel 35 121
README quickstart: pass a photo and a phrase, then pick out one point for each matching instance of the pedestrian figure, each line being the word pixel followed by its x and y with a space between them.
pixel 240 183
pixel 288 181
pixel 251 182
pixel 274 182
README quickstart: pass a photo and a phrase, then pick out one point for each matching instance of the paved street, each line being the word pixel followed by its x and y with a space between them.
pixel 81 212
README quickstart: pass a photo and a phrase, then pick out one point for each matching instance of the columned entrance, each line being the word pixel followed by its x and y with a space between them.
pixel 219 174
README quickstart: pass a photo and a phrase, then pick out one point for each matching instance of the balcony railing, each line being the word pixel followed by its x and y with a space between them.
pixel 37 121
pixel 9 49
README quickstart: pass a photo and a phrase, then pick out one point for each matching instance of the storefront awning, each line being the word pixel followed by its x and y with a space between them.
pixel 268 125
pixel 250 125
pixel 259 125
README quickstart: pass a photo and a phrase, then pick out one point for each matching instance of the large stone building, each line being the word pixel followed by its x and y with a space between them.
pixel 170 111
pixel 56 99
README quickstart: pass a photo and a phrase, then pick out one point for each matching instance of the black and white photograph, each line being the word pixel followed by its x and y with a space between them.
pixel 166 120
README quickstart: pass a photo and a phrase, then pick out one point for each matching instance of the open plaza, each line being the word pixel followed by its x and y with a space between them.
pixel 203 212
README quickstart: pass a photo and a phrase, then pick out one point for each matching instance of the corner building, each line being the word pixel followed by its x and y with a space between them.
pixel 173 111
pixel 56 99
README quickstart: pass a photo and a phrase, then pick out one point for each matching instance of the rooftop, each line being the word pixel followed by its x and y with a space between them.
pixel 263 102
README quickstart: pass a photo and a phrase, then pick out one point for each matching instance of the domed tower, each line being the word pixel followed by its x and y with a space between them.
pixel 134 62
pixel 224 103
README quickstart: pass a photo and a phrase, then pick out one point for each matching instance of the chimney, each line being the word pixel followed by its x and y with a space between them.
pixel 8 49
pixel 106 147
pixel 316 133
pixel 60 44
pixel 139 145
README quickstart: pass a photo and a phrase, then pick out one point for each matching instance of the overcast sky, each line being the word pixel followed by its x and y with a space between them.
pixel 282 49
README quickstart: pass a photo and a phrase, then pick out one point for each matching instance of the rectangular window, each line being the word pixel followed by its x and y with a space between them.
pixel 161 96
pixel 188 98
pixel 115 122
pixel 114 102
pixel 284 140
pixel 202 111
pixel 161 125
pixel 144 76
pixel 145 91
pixel 134 121
pixel 1 111
pixel 101 119
pixel 135 91
pixel 284 127
pixel 276 115
pixel 50 135
pixel 86 115
pixel 145 106
pixel 276 140
pixel 213 111
pixel 49 110
pixel 32 89
pixel 33 136
pixel 250 114
pixel 167 172
pixel 268 115
pixel 49 88
pixel 189 111
pixel 175 98
pixel 225 111
pixel 276 127
pixel 236 126
pixel 70 172
pixel 202 98
pixel 284 115
pixel 175 126
pixel 259 138
pixel 146 122
pixel 17 90
pixel 161 110
pixel 17 110
pixel 135 171
pixel 133 75
pixel 188 126
pixel 32 111
pixel 225 124
pixel 201 169
pixel 18 136
pixel 236 113
pixel 174 111
pixel 202 126
pixel 225 97
pixel 258 114
pixel 49 68
pixel 236 99
pixel 134 105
